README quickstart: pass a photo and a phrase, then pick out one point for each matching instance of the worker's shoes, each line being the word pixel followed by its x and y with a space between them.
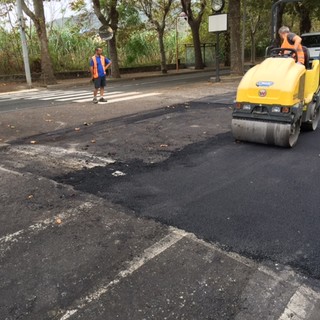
pixel 102 99
pixel 95 100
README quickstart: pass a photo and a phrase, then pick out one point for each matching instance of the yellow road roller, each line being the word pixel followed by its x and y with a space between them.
pixel 276 98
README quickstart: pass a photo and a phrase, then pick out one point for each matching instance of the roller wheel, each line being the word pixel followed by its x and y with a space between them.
pixel 294 133
pixel 312 124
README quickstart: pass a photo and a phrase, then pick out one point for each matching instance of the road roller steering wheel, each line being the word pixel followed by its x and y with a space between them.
pixel 284 53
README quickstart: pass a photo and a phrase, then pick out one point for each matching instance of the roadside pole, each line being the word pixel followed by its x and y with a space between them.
pixel 217 24
pixel 24 44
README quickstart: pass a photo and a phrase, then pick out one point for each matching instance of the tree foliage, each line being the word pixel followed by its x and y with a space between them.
pixel 138 27
pixel 157 13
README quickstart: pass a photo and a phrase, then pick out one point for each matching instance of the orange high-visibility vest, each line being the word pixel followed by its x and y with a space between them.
pixel 286 44
pixel 95 65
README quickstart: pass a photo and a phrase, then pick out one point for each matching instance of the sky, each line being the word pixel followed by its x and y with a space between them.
pixel 53 10
pixel 56 10
pixel 59 9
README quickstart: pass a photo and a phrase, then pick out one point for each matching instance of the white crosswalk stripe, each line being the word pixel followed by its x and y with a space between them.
pixel 133 97
pixel 109 95
pixel 76 96
pixel 46 96
pixel 88 97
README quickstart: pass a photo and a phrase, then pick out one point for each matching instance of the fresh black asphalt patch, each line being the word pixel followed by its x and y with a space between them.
pixel 259 201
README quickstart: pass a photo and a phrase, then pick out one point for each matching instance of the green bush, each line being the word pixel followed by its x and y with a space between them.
pixel 70 50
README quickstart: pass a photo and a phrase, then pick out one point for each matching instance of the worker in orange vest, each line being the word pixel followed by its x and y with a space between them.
pixel 292 41
pixel 98 66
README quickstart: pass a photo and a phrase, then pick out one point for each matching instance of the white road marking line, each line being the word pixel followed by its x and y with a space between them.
pixel 13 92
pixel 40 93
pixel 71 158
pixel 11 171
pixel 7 240
pixel 66 95
pixel 26 96
pixel 53 94
pixel 132 97
pixel 11 99
pixel 301 304
pixel 107 95
pixel 153 251
pixel 89 94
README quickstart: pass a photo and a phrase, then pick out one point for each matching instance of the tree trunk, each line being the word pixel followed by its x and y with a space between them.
pixel 235 35
pixel 47 74
pixel 279 16
pixel 114 57
pixel 253 48
pixel 227 49
pixel 162 51
pixel 114 20
pixel 305 21
pixel 194 23
pixel 195 26
pixel 38 18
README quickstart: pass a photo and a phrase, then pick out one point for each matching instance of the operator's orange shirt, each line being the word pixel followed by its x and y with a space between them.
pixel 288 39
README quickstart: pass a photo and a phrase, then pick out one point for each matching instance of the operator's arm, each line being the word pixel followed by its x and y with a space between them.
pixel 297 41
pixel 91 68
pixel 108 63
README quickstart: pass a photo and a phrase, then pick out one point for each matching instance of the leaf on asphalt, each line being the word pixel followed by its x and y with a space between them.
pixel 58 221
